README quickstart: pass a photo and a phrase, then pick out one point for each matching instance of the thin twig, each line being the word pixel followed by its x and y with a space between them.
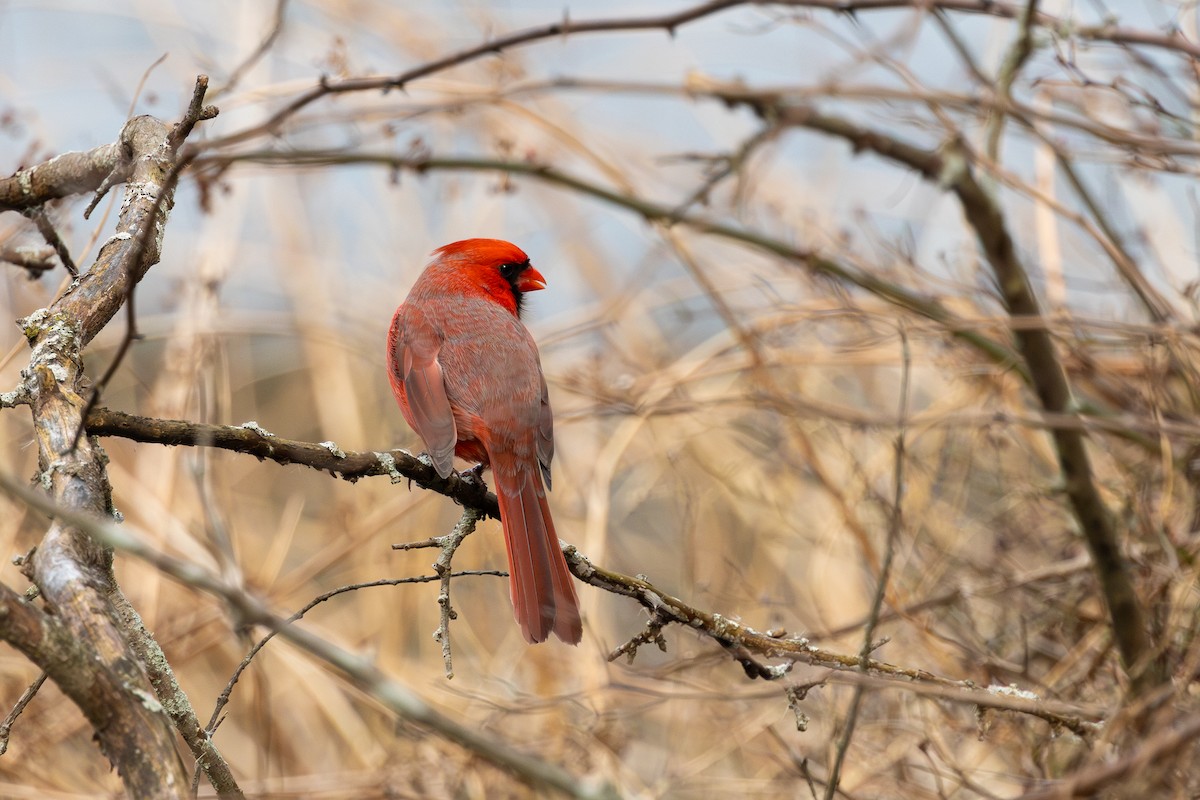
pixel 1155 747
pixel 196 112
pixel 669 23
pixel 223 698
pixel 26 697
pixel 255 55
pixel 653 632
pixel 1018 53
pixel 50 234
pixel 137 90
pixel 449 544
pixel 895 524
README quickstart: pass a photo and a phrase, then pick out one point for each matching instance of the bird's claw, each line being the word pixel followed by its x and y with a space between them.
pixel 473 475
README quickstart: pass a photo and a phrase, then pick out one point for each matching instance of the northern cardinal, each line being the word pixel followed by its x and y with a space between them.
pixel 468 379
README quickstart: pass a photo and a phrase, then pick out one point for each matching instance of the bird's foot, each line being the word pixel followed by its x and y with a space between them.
pixel 474 474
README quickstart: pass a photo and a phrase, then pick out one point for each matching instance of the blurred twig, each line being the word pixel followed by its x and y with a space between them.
pixel 1018 53
pixel 25 699
pixel 895 522
pixel 255 55
pixel 223 698
pixel 1109 32
pixel 951 169
pixel 33 259
pixel 1149 749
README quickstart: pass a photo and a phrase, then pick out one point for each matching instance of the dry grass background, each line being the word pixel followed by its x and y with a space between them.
pixel 743 462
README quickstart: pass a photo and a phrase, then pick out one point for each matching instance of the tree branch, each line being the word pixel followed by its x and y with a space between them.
pixel 738 640
pixel 252 439
pixel 72 571
pixel 62 176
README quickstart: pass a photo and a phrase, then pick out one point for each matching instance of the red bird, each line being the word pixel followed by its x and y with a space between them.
pixel 468 379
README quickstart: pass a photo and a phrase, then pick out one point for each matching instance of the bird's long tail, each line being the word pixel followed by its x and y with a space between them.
pixel 543 595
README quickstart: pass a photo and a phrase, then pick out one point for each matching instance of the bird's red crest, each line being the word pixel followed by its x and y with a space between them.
pixel 493 267
pixel 487 252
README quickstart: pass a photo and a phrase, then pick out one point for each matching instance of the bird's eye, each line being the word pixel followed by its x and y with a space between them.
pixel 510 270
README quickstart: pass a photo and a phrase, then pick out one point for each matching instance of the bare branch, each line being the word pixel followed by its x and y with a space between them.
pixel 223 698
pixel 256 55
pixel 903 297
pixel 668 23
pixel 174 701
pixel 952 170
pixel 61 176
pixel 736 638
pixel 196 111
pixel 462 529
pixel 34 259
pixel 253 440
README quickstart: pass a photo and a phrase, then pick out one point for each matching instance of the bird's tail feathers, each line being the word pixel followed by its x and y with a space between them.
pixel 543 595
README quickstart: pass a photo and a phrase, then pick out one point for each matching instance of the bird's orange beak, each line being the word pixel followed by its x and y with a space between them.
pixel 530 280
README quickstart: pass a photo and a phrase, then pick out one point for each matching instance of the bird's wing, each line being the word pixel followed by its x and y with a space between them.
pixel 545 432
pixel 425 386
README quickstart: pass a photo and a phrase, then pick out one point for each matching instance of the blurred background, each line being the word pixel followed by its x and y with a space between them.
pixel 725 416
